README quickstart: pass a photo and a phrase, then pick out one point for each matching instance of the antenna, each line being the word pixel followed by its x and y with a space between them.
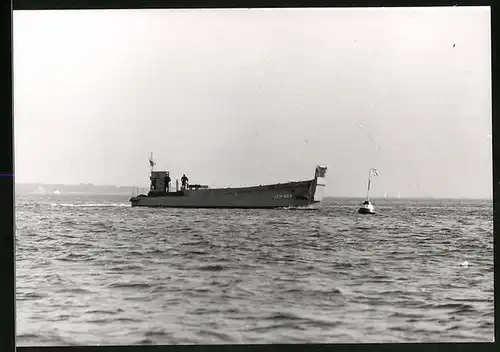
pixel 152 163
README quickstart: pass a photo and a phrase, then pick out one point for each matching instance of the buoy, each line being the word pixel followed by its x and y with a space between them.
pixel 366 208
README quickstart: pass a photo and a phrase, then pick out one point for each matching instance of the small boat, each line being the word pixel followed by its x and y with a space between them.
pixel 56 191
pixel 367 207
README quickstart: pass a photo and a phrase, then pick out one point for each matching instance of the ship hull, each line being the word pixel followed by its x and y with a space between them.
pixel 292 194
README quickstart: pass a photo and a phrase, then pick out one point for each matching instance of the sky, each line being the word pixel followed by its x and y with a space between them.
pixel 254 96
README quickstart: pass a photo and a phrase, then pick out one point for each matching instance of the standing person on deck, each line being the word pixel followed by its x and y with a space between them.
pixel 153 183
pixel 184 181
pixel 167 182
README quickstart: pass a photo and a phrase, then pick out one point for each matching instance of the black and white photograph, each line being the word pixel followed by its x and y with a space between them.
pixel 253 176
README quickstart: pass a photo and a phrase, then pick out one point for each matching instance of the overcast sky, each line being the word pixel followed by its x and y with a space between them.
pixel 242 97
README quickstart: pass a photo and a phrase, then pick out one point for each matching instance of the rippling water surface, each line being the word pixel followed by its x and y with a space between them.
pixel 92 270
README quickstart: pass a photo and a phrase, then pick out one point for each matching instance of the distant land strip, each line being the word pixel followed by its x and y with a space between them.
pixel 45 188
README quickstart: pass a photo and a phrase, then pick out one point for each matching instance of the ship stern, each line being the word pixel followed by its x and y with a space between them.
pixel 136 201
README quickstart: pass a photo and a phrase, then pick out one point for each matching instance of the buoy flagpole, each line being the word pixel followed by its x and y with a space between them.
pixel 369 183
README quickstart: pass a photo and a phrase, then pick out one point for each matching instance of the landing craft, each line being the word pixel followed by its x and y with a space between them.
pixel 278 195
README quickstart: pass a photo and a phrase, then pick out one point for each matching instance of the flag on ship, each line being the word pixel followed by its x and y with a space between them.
pixel 320 171
pixel 152 163
pixel 375 172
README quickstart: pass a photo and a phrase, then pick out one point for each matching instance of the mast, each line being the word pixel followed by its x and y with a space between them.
pixel 152 163
pixel 369 182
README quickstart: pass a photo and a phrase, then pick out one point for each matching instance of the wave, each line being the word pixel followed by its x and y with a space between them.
pixel 91 205
pixel 303 208
pixel 137 285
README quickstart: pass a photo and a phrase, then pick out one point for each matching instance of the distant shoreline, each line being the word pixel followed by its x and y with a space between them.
pixel 375 198
pixel 46 189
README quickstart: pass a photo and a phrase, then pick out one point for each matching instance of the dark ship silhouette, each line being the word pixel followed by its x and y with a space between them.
pixel 278 195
